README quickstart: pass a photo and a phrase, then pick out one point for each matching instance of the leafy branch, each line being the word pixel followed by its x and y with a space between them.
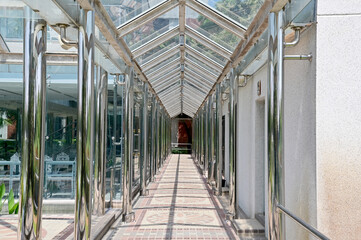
pixel 12 206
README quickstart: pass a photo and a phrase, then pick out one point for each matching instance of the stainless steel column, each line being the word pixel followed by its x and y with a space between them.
pixel 128 214
pixel 85 126
pixel 101 113
pixel 206 146
pixel 153 144
pixel 275 156
pixel 210 140
pixel 33 128
pixel 155 126
pixel 219 157
pixel 144 141
pixel 233 146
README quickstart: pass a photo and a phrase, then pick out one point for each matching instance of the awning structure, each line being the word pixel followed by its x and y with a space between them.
pixel 181 46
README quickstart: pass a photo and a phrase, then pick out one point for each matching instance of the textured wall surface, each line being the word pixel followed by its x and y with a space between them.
pixel 299 137
pixel 338 126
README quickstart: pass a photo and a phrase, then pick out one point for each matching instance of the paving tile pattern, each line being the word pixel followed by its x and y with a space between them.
pixel 179 206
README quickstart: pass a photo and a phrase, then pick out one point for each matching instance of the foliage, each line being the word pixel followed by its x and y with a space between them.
pixel 10 116
pixel 12 206
pixel 244 10
pixel 180 151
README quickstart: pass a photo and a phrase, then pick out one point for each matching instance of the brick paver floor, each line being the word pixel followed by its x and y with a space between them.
pixel 179 206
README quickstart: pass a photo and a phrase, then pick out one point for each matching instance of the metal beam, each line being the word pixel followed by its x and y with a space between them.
pixel 217 17
pixel 160 58
pixel 217 48
pixel 155 42
pixel 146 17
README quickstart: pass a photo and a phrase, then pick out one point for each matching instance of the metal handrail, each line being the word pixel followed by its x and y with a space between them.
pixel 305 225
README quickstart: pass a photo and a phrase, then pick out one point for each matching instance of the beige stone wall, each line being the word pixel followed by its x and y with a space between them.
pixel 338 128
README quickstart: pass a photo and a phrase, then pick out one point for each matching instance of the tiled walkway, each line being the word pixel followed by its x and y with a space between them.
pixel 179 206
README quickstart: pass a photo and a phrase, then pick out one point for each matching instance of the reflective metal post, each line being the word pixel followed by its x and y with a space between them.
pixel 232 146
pixel 85 125
pixel 144 142
pixel 275 156
pixel 156 137
pixel 219 157
pixel 128 215
pixel 33 128
pixel 100 141
pixel 153 143
pixel 206 146
pixel 210 140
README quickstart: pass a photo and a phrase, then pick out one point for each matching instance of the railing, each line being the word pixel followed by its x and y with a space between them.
pixel 11 177
pixel 305 225
pixel 54 171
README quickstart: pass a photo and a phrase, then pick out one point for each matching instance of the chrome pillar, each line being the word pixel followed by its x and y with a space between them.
pixel 219 157
pixel 144 141
pixel 85 125
pixel 33 128
pixel 233 146
pixel 211 140
pixel 206 146
pixel 153 142
pixel 275 156
pixel 101 113
pixel 128 215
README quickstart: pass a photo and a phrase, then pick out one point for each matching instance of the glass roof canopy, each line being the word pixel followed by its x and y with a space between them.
pixel 181 47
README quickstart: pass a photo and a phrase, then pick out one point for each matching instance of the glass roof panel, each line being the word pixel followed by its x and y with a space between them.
pixel 158 66
pixel 121 11
pixel 152 29
pixel 155 52
pixel 202 64
pixel 211 30
pixel 241 11
pixel 205 51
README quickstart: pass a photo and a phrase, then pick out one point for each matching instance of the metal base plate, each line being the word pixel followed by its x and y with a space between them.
pixel 127 218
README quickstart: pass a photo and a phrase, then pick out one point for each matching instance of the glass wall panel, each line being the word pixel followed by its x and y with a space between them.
pixel 61 127
pixel 115 129
pixel 11 98
pixel 136 138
